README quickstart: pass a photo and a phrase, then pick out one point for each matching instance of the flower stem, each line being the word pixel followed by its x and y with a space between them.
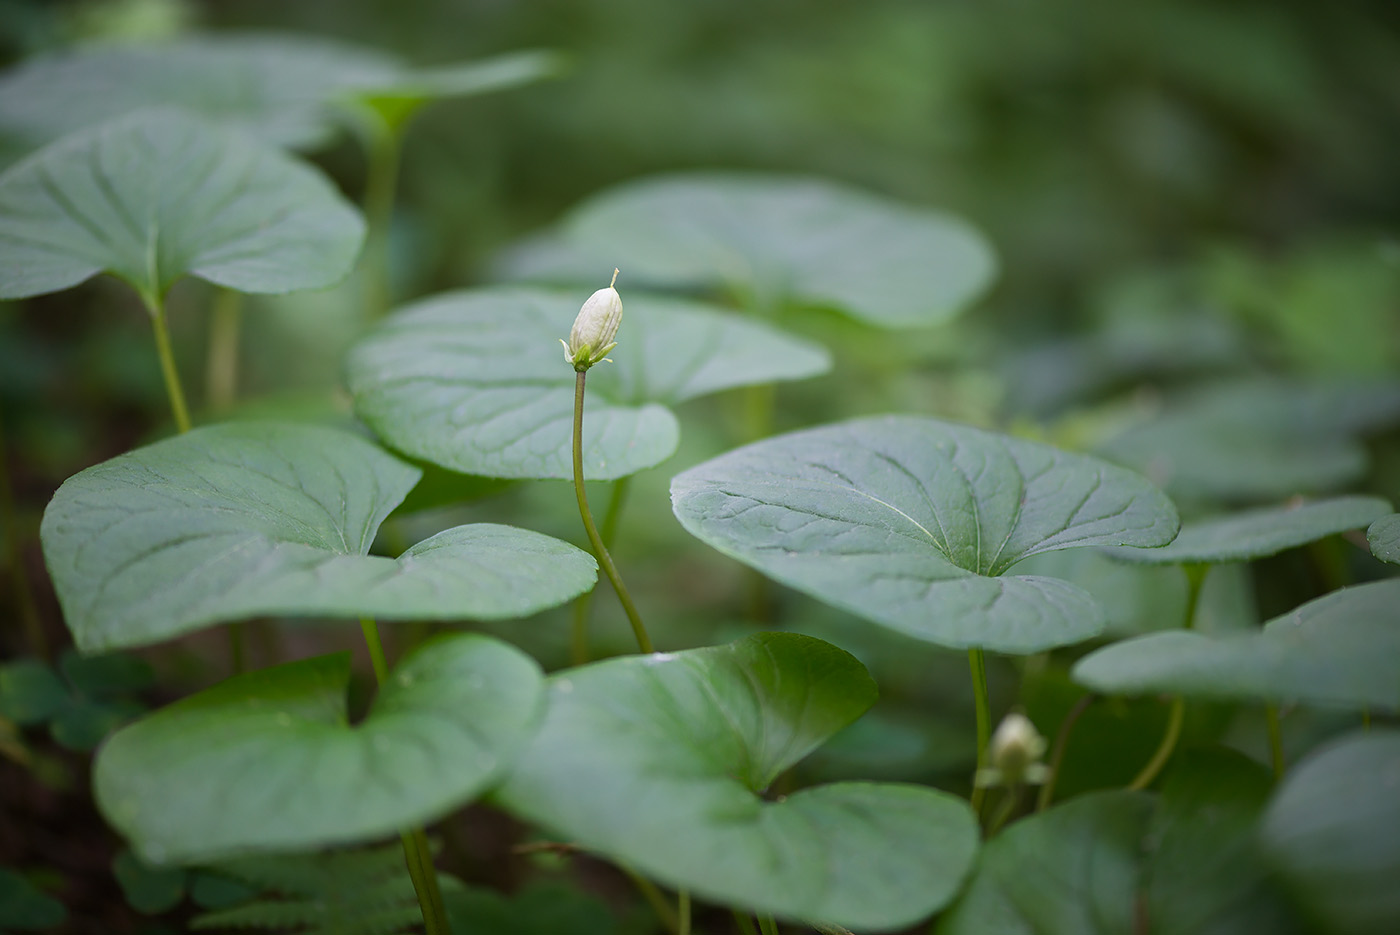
pixel 579 652
pixel 596 541
pixel 1275 740
pixel 978 663
pixel 745 924
pixel 167 364
pixel 767 926
pixel 1057 755
pixel 221 367
pixel 416 852
pixel 1164 750
pixel 683 912
pixel 652 895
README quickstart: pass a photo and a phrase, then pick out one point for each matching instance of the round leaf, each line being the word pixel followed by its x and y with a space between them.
pixel 911 523
pixel 477 382
pixel 1254 534
pixel 659 762
pixel 148 890
pixel 30 692
pixel 1329 833
pixel 24 906
pixel 267 761
pixel 158 195
pixel 1341 649
pixel 877 260
pixel 1384 536
pixel 274 87
pixel 255 518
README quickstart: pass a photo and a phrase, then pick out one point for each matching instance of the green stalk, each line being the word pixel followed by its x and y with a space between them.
pixel 579 652
pixel 221 367
pixel 766 925
pixel 745 924
pixel 1164 750
pixel 599 550
pixel 978 663
pixel 1057 755
pixel 1005 810
pixel 156 306
pixel 1275 740
pixel 416 853
pixel 653 896
pixel 1195 580
pixel 683 912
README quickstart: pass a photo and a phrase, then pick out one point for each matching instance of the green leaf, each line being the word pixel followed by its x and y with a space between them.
pixel 1341 649
pixel 803 239
pixel 1111 863
pixel 477 382
pixel 112 675
pixel 394 99
pixel 1258 439
pixel 30 692
pixel 158 195
pixel 1328 833
pixel 1203 874
pixel 24 906
pixel 1384 536
pixel 149 890
pixel 537 909
pixel 85 724
pixel 660 762
pixel 274 87
pixel 911 523
pixel 250 519
pixel 1072 870
pixel 267 760
pixel 366 891
pixel 1254 534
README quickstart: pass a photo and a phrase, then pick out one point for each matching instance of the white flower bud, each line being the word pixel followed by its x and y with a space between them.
pixel 594 329
pixel 1014 754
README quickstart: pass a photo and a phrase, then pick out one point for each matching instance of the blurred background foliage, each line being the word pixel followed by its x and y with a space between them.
pixel 1181 192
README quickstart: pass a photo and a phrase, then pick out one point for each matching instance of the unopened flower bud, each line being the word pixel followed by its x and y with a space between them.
pixel 1014 754
pixel 594 329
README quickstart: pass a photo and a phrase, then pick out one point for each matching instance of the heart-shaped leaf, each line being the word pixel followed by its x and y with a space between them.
pixel 254 518
pixel 1384 536
pixel 270 86
pixel 659 761
pixel 1258 439
pixel 1253 534
pixel 1341 649
pixel 809 240
pixel 911 523
pixel 267 760
pixel 477 382
pixel 158 195
pixel 1111 863
pixel 1328 832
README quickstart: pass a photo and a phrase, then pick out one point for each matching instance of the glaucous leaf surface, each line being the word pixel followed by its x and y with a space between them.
pixel 1329 833
pixel 157 195
pixel 280 88
pixel 476 381
pixel 912 523
pixel 254 518
pixel 1253 534
pixel 268 761
pixel 1384 536
pixel 1072 870
pixel 661 762
pixel 803 239
pixel 1257 439
pixel 1340 649
pixel 1113 863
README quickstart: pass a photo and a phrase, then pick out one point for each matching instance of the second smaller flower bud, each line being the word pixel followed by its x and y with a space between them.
pixel 594 329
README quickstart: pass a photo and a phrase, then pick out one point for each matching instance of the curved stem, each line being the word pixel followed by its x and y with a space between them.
pixel 1057 754
pixel 599 550
pixel 767 926
pixel 978 663
pixel 1164 750
pixel 579 652
pixel 1005 810
pixel 1275 740
pixel 745 924
pixel 653 896
pixel 221 367
pixel 167 364
pixel 683 912
pixel 416 852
